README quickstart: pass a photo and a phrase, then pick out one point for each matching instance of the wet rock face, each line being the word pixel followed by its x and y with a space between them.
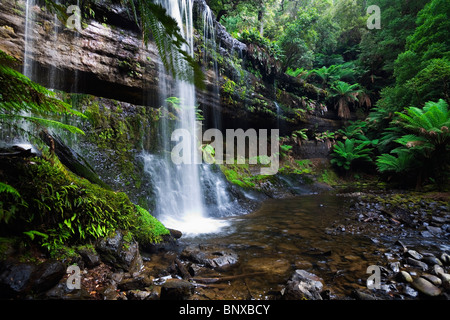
pixel 105 60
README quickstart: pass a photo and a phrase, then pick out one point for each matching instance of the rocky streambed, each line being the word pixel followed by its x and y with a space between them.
pixel 316 246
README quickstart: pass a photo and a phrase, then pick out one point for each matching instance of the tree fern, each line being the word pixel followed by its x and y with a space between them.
pixel 20 96
pixel 345 94
pixel 157 25
pixel 390 163
pixel 432 122
pixel 346 153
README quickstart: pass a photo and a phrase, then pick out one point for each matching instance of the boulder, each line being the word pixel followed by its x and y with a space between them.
pixel 47 275
pixel 176 289
pixel 90 257
pixel 15 279
pixel 120 253
pixel 303 285
pixel 210 256
pixel 19 279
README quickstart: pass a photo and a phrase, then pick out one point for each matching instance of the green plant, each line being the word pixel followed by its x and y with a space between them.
pixel 229 86
pixel 427 142
pixel 148 229
pixel 346 153
pixel 404 162
pixel 345 94
pixel 23 99
pixel 158 26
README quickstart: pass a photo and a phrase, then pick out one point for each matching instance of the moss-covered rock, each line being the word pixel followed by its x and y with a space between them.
pixel 58 208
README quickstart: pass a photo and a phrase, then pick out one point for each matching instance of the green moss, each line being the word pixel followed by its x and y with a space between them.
pixel 65 210
pixel 148 229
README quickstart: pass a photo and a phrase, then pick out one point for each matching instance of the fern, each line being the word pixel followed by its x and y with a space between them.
pixel 6 188
pixel 21 96
pixel 390 163
pixel 432 122
pixel 345 154
pixel 157 25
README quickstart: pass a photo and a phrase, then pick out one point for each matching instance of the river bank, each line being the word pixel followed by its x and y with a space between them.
pixel 313 246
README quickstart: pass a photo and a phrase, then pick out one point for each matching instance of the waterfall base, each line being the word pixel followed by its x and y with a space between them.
pixel 192 224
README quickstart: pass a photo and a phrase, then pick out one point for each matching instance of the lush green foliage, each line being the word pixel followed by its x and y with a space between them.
pixel 349 152
pixel 158 26
pixel 24 100
pixel 63 209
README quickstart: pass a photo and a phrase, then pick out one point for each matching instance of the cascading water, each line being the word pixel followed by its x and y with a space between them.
pixel 28 50
pixel 209 38
pixel 279 113
pixel 28 66
pixel 179 195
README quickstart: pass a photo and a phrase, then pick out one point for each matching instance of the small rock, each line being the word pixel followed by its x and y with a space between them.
pixel 138 295
pixel 445 280
pixel 90 257
pixel 138 282
pixel 303 284
pixel 402 244
pixel 211 256
pixel 405 276
pixel 438 220
pixel 360 295
pixel 410 291
pixel 445 258
pixel 395 266
pixel 417 263
pixel 432 260
pixel 426 234
pixel 414 254
pixel 434 230
pixel 426 287
pixel 432 278
pixel 175 233
pixel 438 270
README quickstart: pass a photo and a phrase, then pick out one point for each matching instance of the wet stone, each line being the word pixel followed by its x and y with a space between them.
pixel 176 289
pixel 432 260
pixel 417 263
pixel 433 279
pixel 426 287
pixel 445 258
pixel 211 256
pixel 414 254
pixel 303 284
pixel 405 276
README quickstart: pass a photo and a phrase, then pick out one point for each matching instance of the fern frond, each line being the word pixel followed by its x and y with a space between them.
pixel 389 163
pixel 41 121
pixel 157 25
pixel 6 188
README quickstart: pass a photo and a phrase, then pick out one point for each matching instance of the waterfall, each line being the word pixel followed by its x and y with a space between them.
pixel 279 113
pixel 209 38
pixel 28 50
pixel 178 192
pixel 28 67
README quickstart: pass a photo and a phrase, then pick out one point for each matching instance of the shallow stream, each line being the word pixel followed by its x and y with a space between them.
pixel 304 232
